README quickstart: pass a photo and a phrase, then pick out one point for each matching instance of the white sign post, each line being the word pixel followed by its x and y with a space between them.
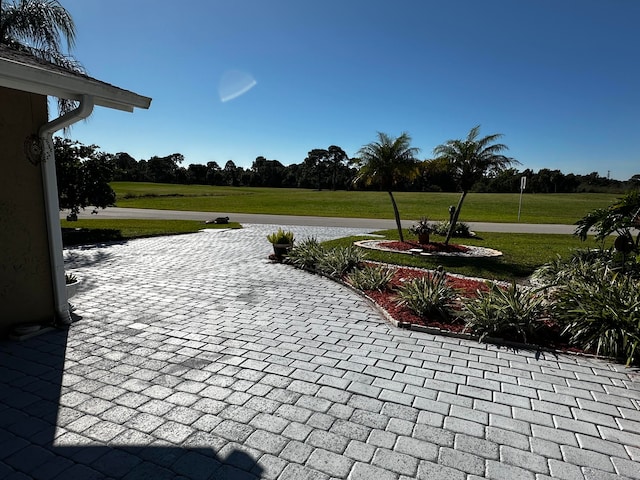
pixel 523 185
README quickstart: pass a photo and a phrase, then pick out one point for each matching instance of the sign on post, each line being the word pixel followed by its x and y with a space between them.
pixel 523 185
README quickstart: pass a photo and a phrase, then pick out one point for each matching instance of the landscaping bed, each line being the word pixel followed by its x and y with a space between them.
pixel 584 303
pixel 549 335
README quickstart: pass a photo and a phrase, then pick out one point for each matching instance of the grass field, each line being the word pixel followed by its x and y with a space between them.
pixel 96 230
pixel 522 253
pixel 479 207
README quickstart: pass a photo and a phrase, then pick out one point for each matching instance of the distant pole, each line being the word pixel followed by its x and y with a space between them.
pixel 523 185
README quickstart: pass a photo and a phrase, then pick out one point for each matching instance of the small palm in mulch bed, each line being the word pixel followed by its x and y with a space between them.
pixel 427 247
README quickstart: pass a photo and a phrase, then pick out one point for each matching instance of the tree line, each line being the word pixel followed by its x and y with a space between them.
pixel 322 169
pixel 331 168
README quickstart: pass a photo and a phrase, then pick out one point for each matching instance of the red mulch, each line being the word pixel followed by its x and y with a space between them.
pixel 427 247
pixel 466 288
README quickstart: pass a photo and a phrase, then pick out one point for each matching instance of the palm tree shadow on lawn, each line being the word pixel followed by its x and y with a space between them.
pixel 496 265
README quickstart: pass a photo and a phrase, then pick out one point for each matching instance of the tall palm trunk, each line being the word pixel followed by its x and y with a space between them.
pixel 454 219
pixel 397 215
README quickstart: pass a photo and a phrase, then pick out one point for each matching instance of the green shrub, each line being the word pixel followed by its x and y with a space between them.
pixel 582 264
pixel 334 262
pixel 306 254
pixel 442 228
pixel 428 296
pixel 601 313
pixel 578 266
pixel 340 260
pixel 422 226
pixel 371 277
pixel 281 237
pixel 511 311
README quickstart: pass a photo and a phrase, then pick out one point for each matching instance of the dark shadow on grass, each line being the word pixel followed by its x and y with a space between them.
pixel 31 446
pixel 498 266
pixel 83 236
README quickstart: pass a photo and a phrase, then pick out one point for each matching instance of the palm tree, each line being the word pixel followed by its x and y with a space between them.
pixel 39 27
pixel 469 161
pixel 385 162
pixel 621 218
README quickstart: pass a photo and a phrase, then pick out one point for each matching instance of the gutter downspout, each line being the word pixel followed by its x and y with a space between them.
pixel 52 205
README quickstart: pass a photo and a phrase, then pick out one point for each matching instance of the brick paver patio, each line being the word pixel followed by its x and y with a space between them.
pixel 195 357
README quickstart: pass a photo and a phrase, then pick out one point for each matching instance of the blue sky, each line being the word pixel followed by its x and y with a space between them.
pixel 560 79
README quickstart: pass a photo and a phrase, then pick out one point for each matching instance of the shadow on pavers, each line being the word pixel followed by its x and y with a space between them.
pixel 31 379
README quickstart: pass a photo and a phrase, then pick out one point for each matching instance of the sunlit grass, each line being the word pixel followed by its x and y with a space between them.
pixel 522 253
pixel 478 207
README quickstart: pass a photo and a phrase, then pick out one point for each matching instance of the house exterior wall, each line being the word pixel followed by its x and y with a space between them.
pixel 26 290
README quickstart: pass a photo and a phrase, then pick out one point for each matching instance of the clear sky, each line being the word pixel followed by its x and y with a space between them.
pixel 237 79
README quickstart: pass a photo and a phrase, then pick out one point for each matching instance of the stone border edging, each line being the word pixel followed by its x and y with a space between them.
pixel 474 252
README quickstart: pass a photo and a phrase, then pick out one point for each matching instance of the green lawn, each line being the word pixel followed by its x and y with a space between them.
pixel 479 207
pixel 522 253
pixel 96 230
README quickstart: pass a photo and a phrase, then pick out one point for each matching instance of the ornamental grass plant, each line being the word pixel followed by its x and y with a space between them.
pixel 371 277
pixel 428 296
pixel 512 312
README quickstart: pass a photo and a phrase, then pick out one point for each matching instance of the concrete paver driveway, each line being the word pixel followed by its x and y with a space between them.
pixel 195 357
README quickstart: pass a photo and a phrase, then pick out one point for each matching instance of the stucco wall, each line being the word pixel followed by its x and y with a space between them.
pixel 26 292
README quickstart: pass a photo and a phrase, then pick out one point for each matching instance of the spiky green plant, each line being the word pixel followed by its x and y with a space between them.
pixel 579 265
pixel 281 237
pixel 371 277
pixel 428 296
pixel 461 229
pixel 505 311
pixel 340 260
pixel 306 254
pixel 601 313
pixel 583 264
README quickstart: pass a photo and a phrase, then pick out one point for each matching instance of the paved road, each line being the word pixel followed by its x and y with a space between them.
pixel 367 223
pixel 197 358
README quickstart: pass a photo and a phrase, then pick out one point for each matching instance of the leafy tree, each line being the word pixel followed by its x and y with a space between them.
pixel 386 162
pixel 470 160
pixel 83 176
pixel 38 27
pixel 213 173
pixel 290 176
pixel 324 167
pixel 507 181
pixel 315 167
pixel 436 176
pixel 266 173
pixel 337 160
pixel 197 174
pixel 125 167
pixel 165 169
pixel 231 174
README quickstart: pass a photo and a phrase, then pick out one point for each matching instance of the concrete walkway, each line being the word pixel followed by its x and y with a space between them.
pixel 195 357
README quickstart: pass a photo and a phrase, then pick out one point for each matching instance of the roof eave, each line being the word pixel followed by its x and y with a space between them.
pixel 42 81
